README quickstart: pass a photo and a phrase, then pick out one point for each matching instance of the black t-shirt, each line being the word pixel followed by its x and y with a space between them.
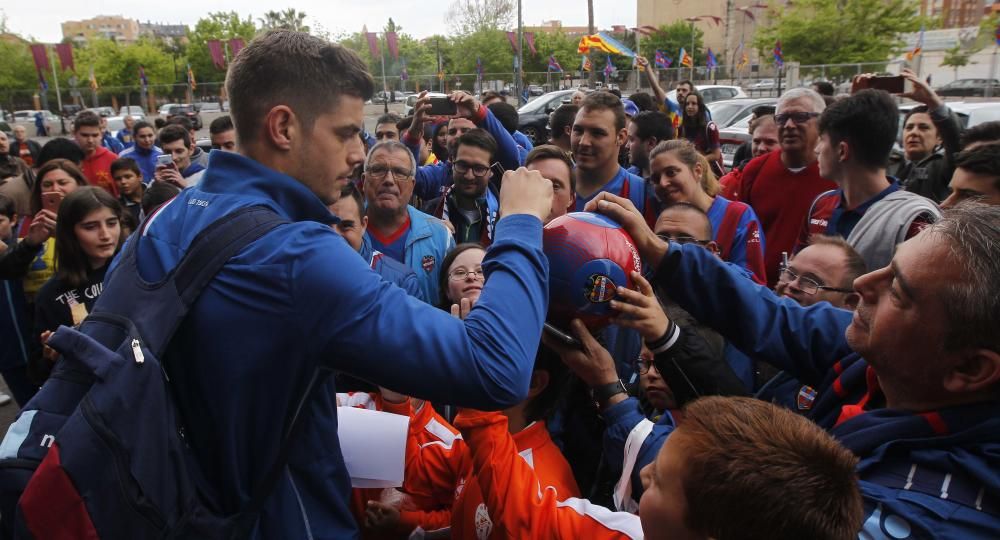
pixel 54 303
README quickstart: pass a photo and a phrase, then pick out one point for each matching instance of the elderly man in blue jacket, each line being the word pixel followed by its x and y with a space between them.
pixel 300 299
pixel 909 381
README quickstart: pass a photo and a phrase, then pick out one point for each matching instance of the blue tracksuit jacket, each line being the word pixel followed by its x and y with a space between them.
pixel 927 475
pixel 300 299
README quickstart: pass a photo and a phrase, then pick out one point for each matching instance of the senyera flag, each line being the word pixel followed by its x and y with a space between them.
pixel 604 43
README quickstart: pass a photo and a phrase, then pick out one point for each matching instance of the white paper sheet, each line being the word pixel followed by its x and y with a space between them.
pixel 374 446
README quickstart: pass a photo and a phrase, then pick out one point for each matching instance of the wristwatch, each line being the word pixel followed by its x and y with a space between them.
pixel 601 394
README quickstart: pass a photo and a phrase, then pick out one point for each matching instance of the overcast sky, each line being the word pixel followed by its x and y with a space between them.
pixel 419 18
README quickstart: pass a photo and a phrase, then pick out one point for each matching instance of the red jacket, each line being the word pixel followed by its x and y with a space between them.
pixel 515 505
pixel 97 170
pixel 781 198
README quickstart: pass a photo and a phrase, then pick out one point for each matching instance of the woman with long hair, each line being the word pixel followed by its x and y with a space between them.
pixel 88 235
pixel 702 132
pixel 680 174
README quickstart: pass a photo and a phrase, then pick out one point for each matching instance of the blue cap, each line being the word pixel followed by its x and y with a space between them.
pixel 631 109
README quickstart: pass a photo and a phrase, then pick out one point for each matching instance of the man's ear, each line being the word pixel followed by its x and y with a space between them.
pixel 843 151
pixel 364 223
pixel 977 370
pixel 280 127
pixel 539 382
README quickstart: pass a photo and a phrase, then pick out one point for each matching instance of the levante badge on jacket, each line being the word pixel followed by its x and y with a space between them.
pixel 427 263
pixel 807 396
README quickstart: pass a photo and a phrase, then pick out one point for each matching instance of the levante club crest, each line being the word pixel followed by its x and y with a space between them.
pixel 599 289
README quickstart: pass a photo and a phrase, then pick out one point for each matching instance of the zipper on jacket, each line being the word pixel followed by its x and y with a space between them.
pixel 137 352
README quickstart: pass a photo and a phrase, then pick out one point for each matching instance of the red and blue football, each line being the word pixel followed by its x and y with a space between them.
pixel 590 256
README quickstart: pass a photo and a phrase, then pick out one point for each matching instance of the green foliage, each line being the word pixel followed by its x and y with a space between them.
pixel 17 71
pixel 956 57
pixel 289 19
pixel 838 31
pixel 219 25
pixel 116 65
pixel 671 38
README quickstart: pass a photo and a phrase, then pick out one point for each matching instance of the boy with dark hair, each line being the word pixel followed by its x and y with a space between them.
pixel 977 175
pixel 176 142
pixel 561 125
pixel 555 165
pixel 128 177
pixel 645 131
pixel 97 160
pixel 507 115
pixel 869 209
pixel 223 134
pixel 156 194
pixel 198 155
pixel 470 204
pixel 985 133
pixel 386 127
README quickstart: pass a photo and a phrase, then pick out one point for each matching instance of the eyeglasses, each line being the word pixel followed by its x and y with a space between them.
pixel 378 172
pixel 462 167
pixel 682 239
pixel 797 117
pixel 642 365
pixel 461 274
pixel 807 285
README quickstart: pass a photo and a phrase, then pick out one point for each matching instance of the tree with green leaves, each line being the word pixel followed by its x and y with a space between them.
pixel 670 39
pixel 471 16
pixel 221 25
pixel 116 66
pixel 17 71
pixel 838 31
pixel 956 57
pixel 289 19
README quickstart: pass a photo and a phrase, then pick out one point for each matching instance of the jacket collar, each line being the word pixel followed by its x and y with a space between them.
pixel 236 174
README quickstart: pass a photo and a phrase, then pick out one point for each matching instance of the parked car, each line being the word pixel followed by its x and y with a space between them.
pixel 533 117
pixel 115 124
pixel 972 114
pixel 166 109
pixel 411 100
pixel 185 110
pixel 535 90
pixel 69 110
pixel 104 111
pixel 729 111
pixel 730 138
pixel 763 84
pixel 713 92
pixel 209 106
pixel 134 111
pixel 968 88
pixel 27 118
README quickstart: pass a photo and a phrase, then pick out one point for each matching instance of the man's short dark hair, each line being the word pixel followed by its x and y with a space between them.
pixel 59 148
pixel 551 151
pixel 480 138
pixel 221 124
pixel 506 114
pixel 685 81
pixel 824 88
pixel 615 92
pixel 983 159
pixel 143 124
pixel 156 194
pixel 351 191
pixel 563 118
pixel 305 72
pixel 605 101
pixel 653 124
pixel 643 101
pixel 867 121
pixel 686 207
pixel 7 208
pixel 404 123
pixel 172 133
pixel 987 132
pixel 86 119
pixel 181 121
pixel 125 163
pixel 490 95
pixel 388 118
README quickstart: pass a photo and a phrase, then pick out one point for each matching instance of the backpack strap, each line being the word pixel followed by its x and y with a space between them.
pixel 727 229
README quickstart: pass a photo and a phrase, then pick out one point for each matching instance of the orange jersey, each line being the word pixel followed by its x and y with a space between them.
pixel 514 505
pixel 529 456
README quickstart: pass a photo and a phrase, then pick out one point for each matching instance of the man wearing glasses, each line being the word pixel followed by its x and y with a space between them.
pixel 394 227
pixel 823 272
pixel 470 204
pixel 782 185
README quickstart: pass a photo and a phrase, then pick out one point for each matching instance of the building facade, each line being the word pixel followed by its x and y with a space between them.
pixel 114 27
